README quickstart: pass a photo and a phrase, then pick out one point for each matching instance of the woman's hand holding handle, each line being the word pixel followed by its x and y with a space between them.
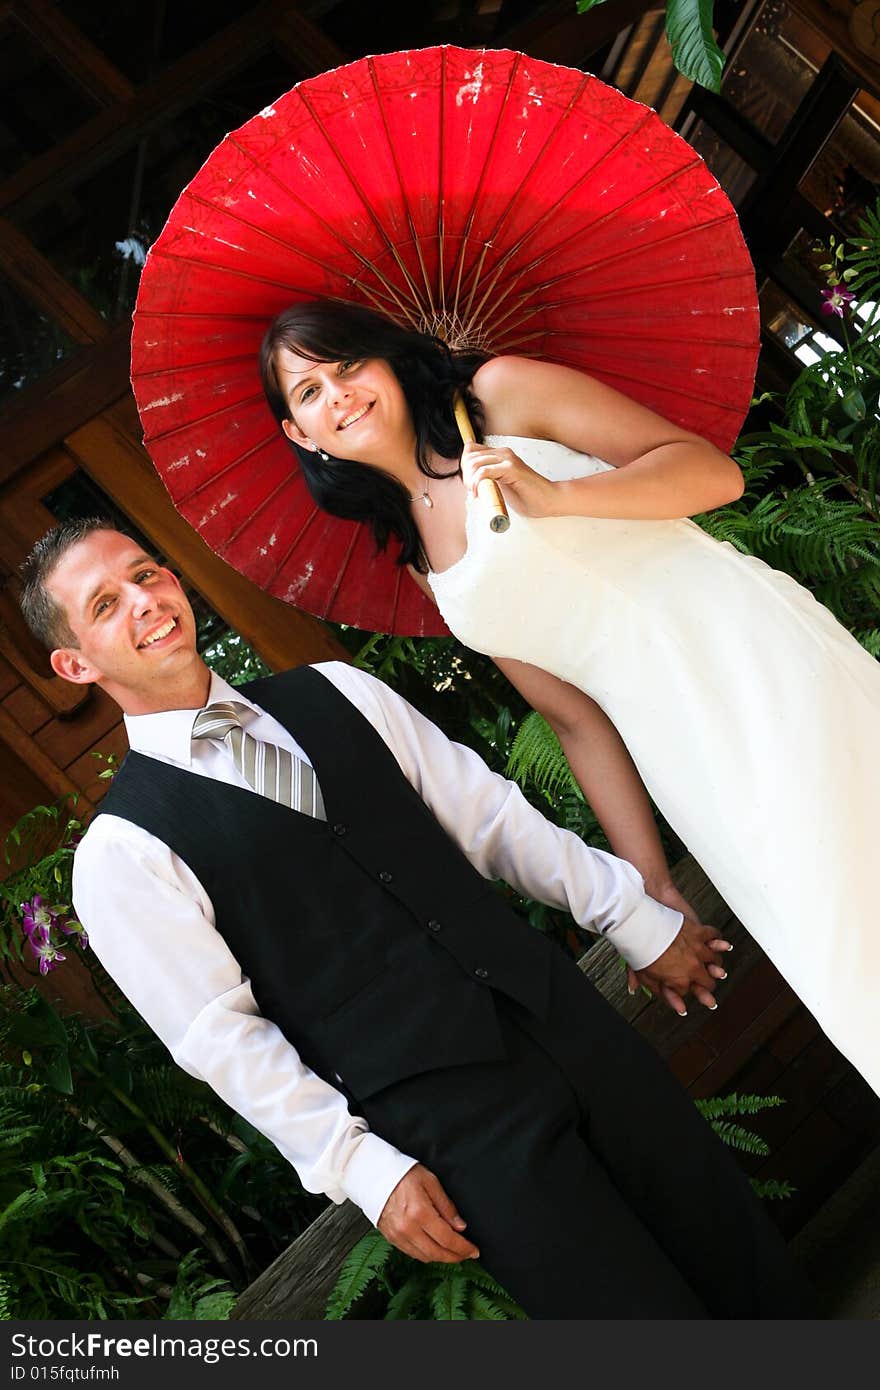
pixel 529 492
pixel 488 492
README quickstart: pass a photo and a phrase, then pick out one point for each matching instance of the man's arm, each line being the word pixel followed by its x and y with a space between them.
pixel 152 926
pixel 504 837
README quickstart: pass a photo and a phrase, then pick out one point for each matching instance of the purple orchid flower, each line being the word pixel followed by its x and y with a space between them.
pixel 71 927
pixel 45 950
pixel 837 298
pixel 36 915
pixel 42 923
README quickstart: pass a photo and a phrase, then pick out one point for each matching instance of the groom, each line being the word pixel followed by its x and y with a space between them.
pixel 290 883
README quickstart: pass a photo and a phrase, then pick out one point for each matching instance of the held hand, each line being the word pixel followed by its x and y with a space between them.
pixel 690 965
pixel 420 1220
pixel 526 491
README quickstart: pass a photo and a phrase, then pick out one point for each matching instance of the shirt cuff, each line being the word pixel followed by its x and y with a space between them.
pixel 372 1173
pixel 646 933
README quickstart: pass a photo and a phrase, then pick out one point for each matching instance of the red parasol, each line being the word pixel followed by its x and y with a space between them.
pixel 504 202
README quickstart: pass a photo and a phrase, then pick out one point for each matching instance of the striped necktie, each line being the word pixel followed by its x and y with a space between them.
pixel 272 771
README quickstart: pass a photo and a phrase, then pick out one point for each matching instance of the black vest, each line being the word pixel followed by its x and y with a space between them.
pixel 369 938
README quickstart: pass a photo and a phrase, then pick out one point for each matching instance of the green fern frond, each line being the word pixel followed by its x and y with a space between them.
pixel 738 1138
pixel 483 1285
pixel 171 1097
pixel 360 1269
pixel 434 1291
pixel 449 1294
pixel 197 1294
pixel 772 1188
pixel 717 1107
pixel 481 1308
pixel 409 1302
pixel 537 755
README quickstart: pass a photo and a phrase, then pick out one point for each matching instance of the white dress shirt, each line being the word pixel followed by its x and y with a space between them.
pixel 151 922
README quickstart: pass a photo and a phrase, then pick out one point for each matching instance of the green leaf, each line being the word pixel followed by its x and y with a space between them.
pixel 408 1302
pixel 714 1107
pixel 537 754
pixel 482 1309
pixel 694 50
pixel 47 1020
pixel 449 1296
pixel 584 6
pixel 772 1188
pixel 234 1168
pixel 738 1138
pixel 357 1273
pixel 853 404
pixel 214 1306
pixel 58 1073
pixel 36 1028
pixel 89 1047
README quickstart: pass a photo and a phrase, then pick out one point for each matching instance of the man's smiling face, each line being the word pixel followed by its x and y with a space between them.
pixel 134 628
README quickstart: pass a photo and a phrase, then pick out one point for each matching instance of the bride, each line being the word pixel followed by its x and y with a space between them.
pixel 652 650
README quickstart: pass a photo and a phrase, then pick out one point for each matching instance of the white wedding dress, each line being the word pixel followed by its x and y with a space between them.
pixel 752 714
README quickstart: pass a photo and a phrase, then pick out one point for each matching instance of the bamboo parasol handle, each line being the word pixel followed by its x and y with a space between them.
pixel 489 493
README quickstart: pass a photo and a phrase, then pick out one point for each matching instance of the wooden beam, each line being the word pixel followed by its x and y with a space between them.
pixel 306 47
pixel 24 515
pixel 30 753
pixel 108 134
pixel 298 1283
pixel 27 657
pixel 63 400
pixel 70 48
pixel 832 19
pixel 281 635
pixel 558 34
pixel 40 282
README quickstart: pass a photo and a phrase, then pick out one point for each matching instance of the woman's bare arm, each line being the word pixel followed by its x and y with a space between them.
pixel 602 767
pixel 609 779
pixel 599 760
pixel 661 471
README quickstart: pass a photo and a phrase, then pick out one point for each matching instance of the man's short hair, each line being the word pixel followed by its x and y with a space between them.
pixel 45 617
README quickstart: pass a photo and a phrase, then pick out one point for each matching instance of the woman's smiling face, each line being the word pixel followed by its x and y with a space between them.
pixel 351 409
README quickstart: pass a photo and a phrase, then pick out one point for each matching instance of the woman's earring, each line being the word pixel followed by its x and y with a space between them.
pixel 322 453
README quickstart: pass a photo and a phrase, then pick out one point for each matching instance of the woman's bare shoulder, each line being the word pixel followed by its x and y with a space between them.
pixel 514 391
pixel 543 400
pixel 499 386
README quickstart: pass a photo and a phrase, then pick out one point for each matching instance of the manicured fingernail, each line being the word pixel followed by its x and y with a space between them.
pixel 630 991
pixel 683 1014
pixel 723 975
pixel 711 1008
pixel 457 1221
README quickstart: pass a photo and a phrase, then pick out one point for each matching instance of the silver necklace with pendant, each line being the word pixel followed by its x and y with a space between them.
pixel 424 496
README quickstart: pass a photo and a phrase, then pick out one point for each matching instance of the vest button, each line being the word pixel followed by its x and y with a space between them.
pixel 434 925
pixel 340 829
pixel 385 877
pixel 481 974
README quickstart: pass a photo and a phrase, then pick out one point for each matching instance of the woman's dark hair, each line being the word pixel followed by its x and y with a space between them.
pixel 328 330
